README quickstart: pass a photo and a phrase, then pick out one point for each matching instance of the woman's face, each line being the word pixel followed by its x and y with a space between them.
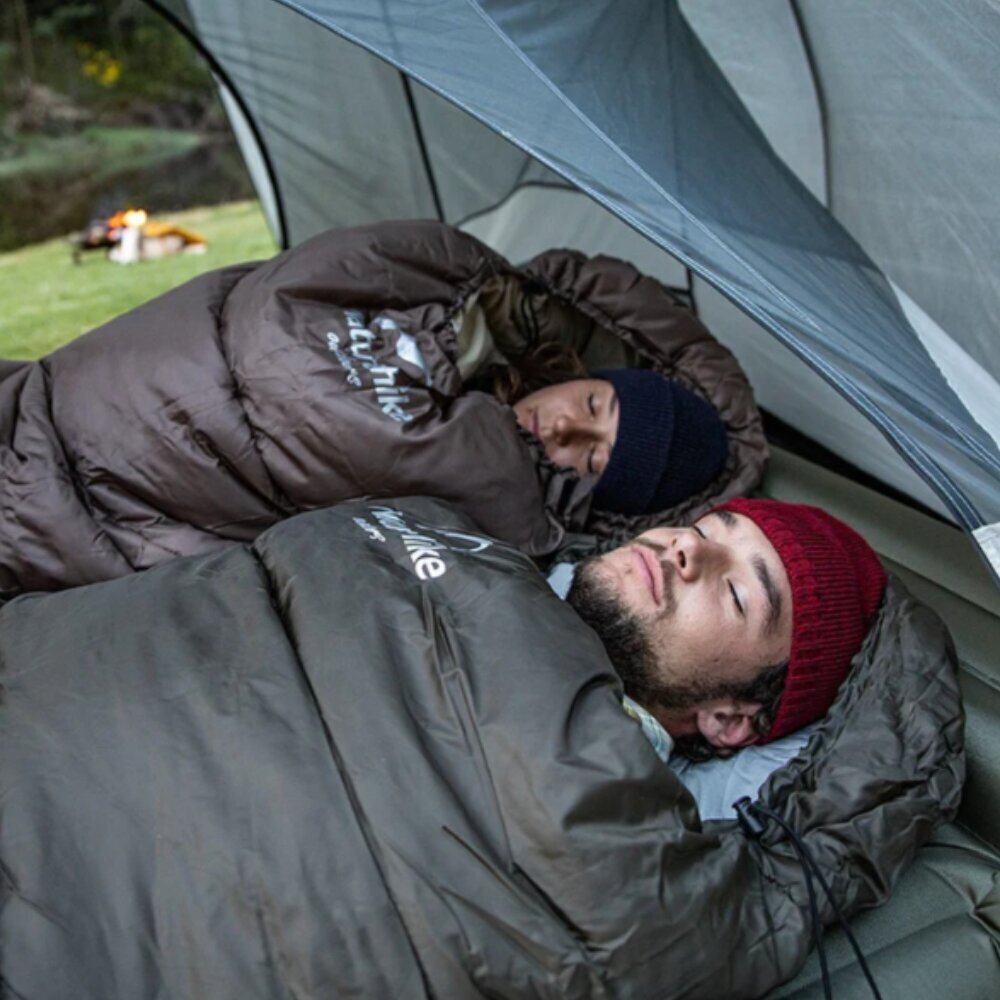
pixel 576 421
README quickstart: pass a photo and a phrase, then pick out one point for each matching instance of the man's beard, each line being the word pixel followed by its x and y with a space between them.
pixel 625 640
pixel 638 660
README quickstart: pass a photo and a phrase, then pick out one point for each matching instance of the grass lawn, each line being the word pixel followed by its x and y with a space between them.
pixel 47 300
pixel 96 151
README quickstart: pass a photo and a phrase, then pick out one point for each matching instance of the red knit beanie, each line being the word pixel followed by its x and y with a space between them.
pixel 837 584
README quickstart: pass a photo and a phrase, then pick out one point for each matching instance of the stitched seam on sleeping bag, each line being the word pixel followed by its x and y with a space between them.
pixel 76 479
pixel 205 443
pixel 458 691
pixel 572 297
pixel 338 762
pixel 238 391
pixel 456 685
pixel 458 695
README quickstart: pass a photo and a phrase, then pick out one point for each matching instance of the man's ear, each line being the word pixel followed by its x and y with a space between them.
pixel 728 725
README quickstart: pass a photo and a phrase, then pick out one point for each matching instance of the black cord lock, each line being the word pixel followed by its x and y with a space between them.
pixel 750 823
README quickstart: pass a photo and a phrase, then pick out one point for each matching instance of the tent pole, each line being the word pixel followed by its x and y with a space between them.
pixel 424 154
pixel 217 68
pixel 824 117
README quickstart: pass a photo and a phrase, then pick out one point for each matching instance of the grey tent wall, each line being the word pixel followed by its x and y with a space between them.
pixel 695 176
pixel 913 123
pixel 865 347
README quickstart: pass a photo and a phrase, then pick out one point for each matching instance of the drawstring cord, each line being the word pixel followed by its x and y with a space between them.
pixel 749 814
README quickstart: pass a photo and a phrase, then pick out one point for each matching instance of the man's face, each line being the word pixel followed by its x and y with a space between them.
pixel 688 615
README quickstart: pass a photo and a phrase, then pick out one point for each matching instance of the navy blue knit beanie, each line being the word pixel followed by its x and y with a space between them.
pixel 671 444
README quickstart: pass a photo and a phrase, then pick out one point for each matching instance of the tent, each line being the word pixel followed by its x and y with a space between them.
pixel 704 151
pixel 818 178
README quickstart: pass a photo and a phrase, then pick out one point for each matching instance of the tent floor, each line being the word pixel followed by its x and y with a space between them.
pixel 939 935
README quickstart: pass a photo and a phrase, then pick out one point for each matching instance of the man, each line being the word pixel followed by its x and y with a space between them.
pixel 373 725
pixel 738 629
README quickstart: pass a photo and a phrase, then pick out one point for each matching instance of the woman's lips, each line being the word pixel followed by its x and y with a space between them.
pixel 650 569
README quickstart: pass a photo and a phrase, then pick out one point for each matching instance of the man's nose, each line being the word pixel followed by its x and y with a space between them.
pixel 692 555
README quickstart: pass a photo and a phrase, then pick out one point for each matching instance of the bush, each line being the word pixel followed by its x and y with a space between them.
pixel 117 59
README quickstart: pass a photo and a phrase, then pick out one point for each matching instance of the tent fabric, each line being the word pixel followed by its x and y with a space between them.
pixel 765 61
pixel 374 755
pixel 889 114
pixel 625 103
pixel 897 164
pixel 536 217
pixel 912 105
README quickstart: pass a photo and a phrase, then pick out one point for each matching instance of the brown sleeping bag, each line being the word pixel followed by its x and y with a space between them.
pixel 327 373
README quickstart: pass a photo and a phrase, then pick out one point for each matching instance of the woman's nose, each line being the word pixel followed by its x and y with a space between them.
pixel 564 429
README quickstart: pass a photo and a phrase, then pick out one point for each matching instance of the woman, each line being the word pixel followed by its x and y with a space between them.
pixel 335 370
pixel 648 442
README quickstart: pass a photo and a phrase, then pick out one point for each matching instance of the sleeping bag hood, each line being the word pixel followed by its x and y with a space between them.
pixel 373 755
pixel 328 373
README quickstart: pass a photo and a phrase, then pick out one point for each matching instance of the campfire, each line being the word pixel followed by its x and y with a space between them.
pixel 130 235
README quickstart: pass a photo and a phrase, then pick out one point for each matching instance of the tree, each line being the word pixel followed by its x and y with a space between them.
pixel 23 39
pixel 117 58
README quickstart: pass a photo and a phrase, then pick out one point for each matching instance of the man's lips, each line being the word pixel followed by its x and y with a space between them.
pixel 651 571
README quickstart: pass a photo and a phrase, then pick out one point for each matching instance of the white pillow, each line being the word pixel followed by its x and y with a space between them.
pixel 716 784
pixel 560 577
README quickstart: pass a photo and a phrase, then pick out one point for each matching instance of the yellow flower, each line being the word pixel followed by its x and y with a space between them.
pixel 112 71
pixel 101 66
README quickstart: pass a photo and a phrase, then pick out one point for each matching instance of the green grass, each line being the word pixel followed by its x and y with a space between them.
pixel 96 151
pixel 46 300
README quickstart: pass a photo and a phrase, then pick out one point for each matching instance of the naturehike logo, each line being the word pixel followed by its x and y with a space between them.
pixel 369 529
pixel 469 544
pixel 333 342
pixel 424 544
pixel 392 398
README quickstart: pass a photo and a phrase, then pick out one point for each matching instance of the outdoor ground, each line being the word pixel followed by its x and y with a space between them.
pixel 54 184
pixel 97 152
pixel 47 300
